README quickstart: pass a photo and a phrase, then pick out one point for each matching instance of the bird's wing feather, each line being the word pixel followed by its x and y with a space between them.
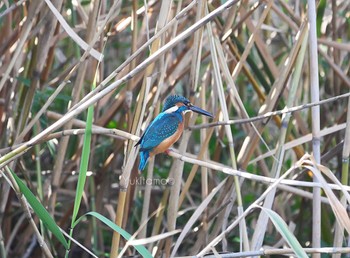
pixel 163 126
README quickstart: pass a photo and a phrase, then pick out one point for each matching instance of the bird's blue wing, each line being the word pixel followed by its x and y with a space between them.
pixel 162 127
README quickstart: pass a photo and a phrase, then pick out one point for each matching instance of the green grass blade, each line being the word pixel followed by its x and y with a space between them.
pixel 320 13
pixel 141 249
pixel 282 228
pixel 40 211
pixel 83 163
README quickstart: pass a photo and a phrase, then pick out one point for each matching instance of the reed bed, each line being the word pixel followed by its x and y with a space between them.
pixel 268 175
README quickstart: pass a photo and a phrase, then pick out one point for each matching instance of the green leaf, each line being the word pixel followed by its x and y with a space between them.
pixel 282 228
pixel 26 82
pixel 141 249
pixel 320 13
pixel 40 211
pixel 112 124
pixel 83 163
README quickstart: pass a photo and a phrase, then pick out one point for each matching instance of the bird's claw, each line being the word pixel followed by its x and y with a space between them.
pixel 167 152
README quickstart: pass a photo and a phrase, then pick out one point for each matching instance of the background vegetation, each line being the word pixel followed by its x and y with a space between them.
pixel 80 81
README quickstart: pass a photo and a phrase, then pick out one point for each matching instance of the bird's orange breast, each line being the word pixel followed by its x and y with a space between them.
pixel 164 145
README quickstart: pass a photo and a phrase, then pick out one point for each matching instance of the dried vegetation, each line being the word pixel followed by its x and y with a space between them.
pixel 80 81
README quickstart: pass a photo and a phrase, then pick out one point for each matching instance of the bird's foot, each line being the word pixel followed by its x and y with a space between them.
pixel 167 152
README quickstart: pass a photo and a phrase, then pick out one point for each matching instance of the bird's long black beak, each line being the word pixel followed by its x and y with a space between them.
pixel 200 111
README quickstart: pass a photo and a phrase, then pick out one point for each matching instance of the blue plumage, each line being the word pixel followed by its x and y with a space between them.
pixel 144 155
pixel 166 128
pixel 161 128
pixel 172 100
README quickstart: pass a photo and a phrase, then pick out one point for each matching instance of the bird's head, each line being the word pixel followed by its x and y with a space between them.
pixel 175 103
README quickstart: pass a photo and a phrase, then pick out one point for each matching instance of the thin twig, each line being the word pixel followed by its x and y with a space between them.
pixel 270 114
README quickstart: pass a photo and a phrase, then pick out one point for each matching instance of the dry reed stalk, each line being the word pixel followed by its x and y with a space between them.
pixel 87 47
pixel 246 71
pixel 256 39
pixel 163 63
pixel 315 96
pixel 176 173
pixel 286 18
pixel 204 170
pixel 336 52
pixel 148 187
pixel 195 216
pixel 250 208
pixel 83 105
pixel 271 113
pixel 218 82
pixel 339 229
pixel 178 165
pixel 162 20
pixel 262 65
pixel 251 40
pixel 194 160
pixel 27 27
pixel 41 112
pixel 261 226
pixel 339 45
pixel 37 64
pixel 186 157
pixel 285 252
pixel 302 140
pixel 76 91
pixel 144 47
pixel 336 69
pixel 275 92
pixel 204 146
pixel 194 169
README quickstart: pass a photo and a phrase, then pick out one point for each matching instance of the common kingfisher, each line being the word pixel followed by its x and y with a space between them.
pixel 166 128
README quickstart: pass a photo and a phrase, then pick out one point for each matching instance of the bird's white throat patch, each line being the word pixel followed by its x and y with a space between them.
pixel 171 110
pixel 175 108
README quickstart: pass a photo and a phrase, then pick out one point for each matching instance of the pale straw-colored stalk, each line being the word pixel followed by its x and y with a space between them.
pixel 268 252
pixel 78 85
pixel 83 105
pixel 148 187
pixel 219 238
pixel 220 90
pixel 27 27
pixel 261 225
pixel 315 114
pixel 136 125
pixel 339 229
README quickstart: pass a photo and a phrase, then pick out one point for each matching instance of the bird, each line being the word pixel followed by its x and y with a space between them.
pixel 166 128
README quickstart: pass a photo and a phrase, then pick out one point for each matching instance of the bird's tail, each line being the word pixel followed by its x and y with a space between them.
pixel 143 159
